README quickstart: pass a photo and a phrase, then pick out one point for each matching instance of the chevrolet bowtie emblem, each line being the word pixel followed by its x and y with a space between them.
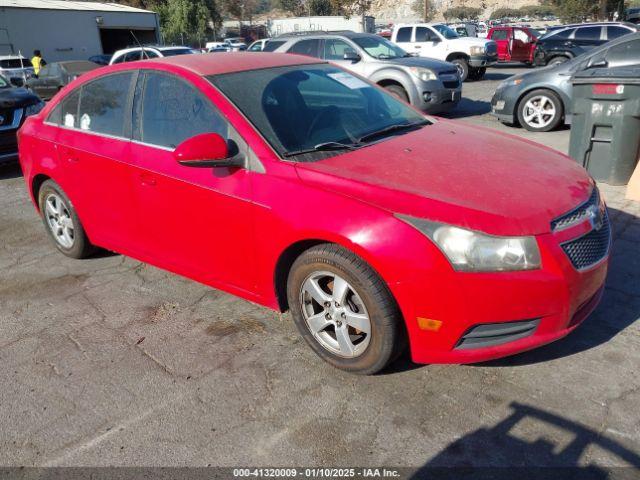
pixel 595 217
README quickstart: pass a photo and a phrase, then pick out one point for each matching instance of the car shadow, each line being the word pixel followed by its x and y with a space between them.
pixel 467 107
pixel 529 443
pixel 10 170
pixel 619 308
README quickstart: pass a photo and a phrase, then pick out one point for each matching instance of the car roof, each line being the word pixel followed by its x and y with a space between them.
pixel 232 62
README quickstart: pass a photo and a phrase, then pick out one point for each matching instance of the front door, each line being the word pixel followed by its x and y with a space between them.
pixel 502 38
pixel 521 46
pixel 334 50
pixel 194 221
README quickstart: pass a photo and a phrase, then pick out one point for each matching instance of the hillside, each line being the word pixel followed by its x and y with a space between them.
pixel 400 10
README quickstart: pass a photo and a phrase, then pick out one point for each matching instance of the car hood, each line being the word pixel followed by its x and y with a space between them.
pixel 458 174
pixel 16 97
pixel 471 41
pixel 432 64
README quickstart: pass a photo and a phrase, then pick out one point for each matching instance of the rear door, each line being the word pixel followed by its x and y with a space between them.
pixel 309 47
pixel 93 150
pixel 404 38
pixel 588 37
pixel 195 221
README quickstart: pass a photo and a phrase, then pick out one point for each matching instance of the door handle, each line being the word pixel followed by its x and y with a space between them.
pixel 418 46
pixel 147 180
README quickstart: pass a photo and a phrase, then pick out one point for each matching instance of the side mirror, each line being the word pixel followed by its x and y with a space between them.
pixel 206 150
pixel 351 56
pixel 598 63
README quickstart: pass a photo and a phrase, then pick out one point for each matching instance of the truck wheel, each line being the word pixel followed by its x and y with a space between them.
pixel 398 92
pixel 463 68
pixel 540 111
pixel 344 310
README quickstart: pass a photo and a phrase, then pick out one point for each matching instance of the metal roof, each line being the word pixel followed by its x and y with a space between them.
pixel 70 5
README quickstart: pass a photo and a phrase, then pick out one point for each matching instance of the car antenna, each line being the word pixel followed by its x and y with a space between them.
pixel 144 52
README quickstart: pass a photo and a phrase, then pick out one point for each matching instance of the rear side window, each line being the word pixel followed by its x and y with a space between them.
pixel 15 63
pixel 499 35
pixel 615 32
pixel 66 113
pixel 588 33
pixel 306 47
pixel 171 111
pixel 273 45
pixel 103 104
pixel 562 34
pixel 404 34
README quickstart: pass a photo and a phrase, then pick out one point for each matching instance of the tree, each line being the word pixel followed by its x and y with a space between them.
pixel 320 7
pixel 418 8
pixel 462 13
pixel 294 6
pixel 183 21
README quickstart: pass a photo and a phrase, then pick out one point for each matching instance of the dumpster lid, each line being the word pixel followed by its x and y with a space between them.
pixel 626 75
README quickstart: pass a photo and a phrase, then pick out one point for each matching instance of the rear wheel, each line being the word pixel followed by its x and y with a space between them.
pixel 540 111
pixel 344 311
pixel 557 61
pixel 62 222
pixel 397 91
pixel 462 66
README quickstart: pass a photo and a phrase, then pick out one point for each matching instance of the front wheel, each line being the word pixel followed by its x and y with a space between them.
pixel 344 311
pixel 540 111
pixel 463 68
pixel 398 92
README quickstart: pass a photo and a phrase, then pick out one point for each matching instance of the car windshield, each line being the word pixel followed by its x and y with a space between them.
pixel 15 63
pixel 308 112
pixel 176 51
pixel 379 47
pixel 445 31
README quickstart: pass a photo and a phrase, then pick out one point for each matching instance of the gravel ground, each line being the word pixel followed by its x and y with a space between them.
pixel 109 361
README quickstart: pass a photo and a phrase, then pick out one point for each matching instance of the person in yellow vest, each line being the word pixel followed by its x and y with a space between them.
pixel 37 61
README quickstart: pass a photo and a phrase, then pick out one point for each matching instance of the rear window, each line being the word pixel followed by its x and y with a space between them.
pixel 272 45
pixel 615 32
pixel 103 104
pixel 176 51
pixel 404 34
pixel 15 63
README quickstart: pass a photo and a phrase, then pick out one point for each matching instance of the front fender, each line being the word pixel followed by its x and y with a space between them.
pixel 399 75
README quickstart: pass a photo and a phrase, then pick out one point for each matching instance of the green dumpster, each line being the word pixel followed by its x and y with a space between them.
pixel 605 126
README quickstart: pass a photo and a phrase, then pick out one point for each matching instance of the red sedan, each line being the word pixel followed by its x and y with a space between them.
pixel 297 185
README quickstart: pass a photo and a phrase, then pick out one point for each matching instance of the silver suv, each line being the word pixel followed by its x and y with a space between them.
pixel 430 85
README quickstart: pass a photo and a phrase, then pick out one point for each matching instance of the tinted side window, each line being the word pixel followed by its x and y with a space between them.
pixel 272 45
pixel 103 104
pixel 499 35
pixel 335 49
pixel 615 32
pixel 306 47
pixel 588 33
pixel 424 34
pixel 404 34
pixel 132 56
pixel 69 110
pixel 172 111
pixel 562 34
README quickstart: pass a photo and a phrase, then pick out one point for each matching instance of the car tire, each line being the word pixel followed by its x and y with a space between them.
pixel 62 223
pixel 544 120
pixel 329 324
pixel 557 60
pixel 398 92
pixel 463 68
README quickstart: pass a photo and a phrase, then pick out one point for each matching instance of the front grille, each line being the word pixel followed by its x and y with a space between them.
pixel 591 248
pixel 446 79
pixel 491 334
pixel 6 117
pixel 578 214
pixel 492 49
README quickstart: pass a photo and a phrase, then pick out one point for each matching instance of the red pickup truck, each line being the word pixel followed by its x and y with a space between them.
pixel 515 44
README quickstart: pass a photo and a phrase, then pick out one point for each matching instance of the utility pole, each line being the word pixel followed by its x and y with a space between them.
pixel 426 10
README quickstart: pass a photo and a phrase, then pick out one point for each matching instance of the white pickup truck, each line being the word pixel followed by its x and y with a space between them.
pixel 471 55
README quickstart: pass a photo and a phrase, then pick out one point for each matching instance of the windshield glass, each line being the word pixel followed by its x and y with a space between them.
pixel 445 31
pixel 378 47
pixel 301 107
pixel 176 51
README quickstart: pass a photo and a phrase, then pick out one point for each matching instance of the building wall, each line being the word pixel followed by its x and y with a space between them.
pixel 279 26
pixel 64 34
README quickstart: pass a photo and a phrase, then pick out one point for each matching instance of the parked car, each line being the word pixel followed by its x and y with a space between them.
pixel 540 100
pixel 235 44
pixel 566 43
pixel 101 59
pixel 632 15
pixel 430 85
pixel 218 49
pixel 382 224
pixel 16 69
pixel 16 104
pixel 258 45
pixel 515 44
pixel 470 55
pixel 135 53
pixel 54 76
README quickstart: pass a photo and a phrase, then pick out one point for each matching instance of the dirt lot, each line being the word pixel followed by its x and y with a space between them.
pixel 108 361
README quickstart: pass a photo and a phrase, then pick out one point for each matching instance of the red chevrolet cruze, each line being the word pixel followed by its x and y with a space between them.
pixel 297 185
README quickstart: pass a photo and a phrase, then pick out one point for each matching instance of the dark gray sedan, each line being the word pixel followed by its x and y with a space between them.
pixel 54 76
pixel 540 100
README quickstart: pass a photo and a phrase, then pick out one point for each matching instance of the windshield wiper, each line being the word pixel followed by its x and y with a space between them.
pixel 322 147
pixel 390 129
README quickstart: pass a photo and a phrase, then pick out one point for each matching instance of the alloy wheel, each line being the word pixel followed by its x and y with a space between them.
pixel 539 111
pixel 59 220
pixel 335 314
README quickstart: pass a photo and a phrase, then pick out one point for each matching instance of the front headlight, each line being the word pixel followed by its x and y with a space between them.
pixel 472 251
pixel 478 50
pixel 423 74
pixel 33 109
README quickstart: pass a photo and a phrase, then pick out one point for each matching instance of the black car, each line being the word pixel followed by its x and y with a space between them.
pixel 563 44
pixel 540 100
pixel 15 105
pixel 54 76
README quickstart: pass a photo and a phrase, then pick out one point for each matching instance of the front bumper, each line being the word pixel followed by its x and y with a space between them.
pixel 478 61
pixel 503 104
pixel 434 97
pixel 557 297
